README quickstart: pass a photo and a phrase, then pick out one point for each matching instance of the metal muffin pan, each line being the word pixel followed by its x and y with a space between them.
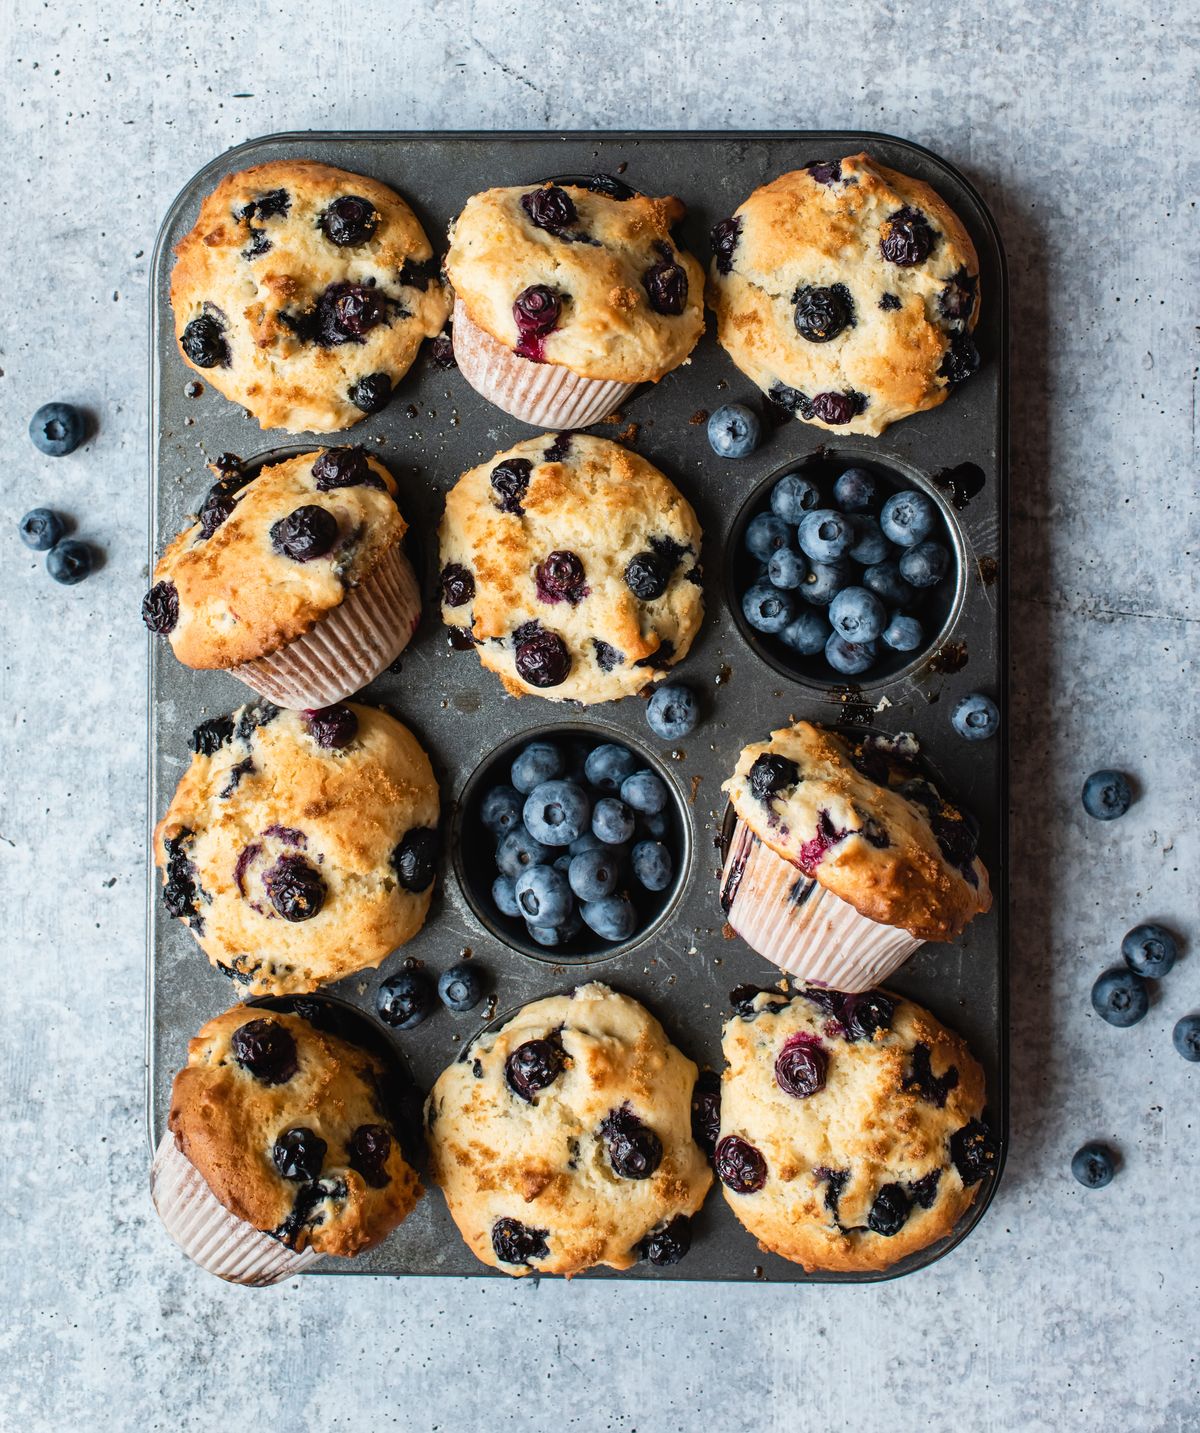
pixel 435 428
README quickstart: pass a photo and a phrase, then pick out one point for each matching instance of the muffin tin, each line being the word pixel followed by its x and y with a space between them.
pixel 684 966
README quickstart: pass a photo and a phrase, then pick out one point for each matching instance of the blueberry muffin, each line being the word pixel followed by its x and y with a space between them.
pixel 851 1129
pixel 280 1138
pixel 303 293
pixel 563 1140
pixel 300 846
pixel 567 296
pixel 848 293
pixel 844 856
pixel 292 577
pixel 572 564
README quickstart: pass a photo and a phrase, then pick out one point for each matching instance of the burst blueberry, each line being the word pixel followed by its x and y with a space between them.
pixel 307 533
pixel 405 999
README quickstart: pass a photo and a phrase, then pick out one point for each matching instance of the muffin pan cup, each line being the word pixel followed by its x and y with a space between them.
pixel 437 427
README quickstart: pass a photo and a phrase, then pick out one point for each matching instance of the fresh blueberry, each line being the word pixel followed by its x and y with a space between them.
pixel 57 429
pixel 672 711
pixel 645 792
pixel 885 581
pixel 903 633
pixel 539 761
pixel 1093 1165
pixel 612 820
pixel 733 431
pixel 1186 1037
pixel 824 581
pixel 652 865
pixel 1120 997
pixel 825 535
pixel 1106 795
pixel 461 987
pixel 556 935
pixel 908 518
pixel 856 490
pixel 69 561
pixel 504 893
pixel 589 841
pixel 786 569
pixel 807 634
pixel 563 863
pixel 793 496
pixel 857 614
pixel 556 812
pixel 767 608
pixel 765 534
pixel 500 810
pixel 405 999
pixel 976 717
pixel 612 917
pixel 517 850
pixel 608 765
pixel 1150 951
pixel 543 896
pixel 40 529
pixel 925 565
pixel 593 874
pixel 870 545
pixel 852 659
pixel 654 827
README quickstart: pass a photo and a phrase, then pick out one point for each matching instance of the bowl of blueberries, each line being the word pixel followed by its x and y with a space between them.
pixel 571 845
pixel 844 569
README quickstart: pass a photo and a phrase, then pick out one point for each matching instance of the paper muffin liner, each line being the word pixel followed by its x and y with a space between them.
pixel 801 927
pixel 208 1233
pixel 543 394
pixel 348 647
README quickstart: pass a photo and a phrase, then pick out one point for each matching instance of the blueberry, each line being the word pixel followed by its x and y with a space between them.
pixel 517 850
pixel 733 431
pixel 786 569
pixel 856 490
pixel 765 534
pixel 40 529
pixel 539 761
pixel 405 999
pixel 794 495
pixel 672 711
pixel 925 565
pixel 824 581
pixel 654 827
pixel 1186 1037
pixel 903 633
pixel 825 535
pixel 851 659
pixel 1150 951
pixel 652 865
pixel 593 874
pixel 367 1151
pixel 589 841
pixel 647 576
pixel 821 314
pixel 203 342
pixel 516 1243
pixel 857 614
pixel 160 608
pixel 1106 795
pixel 1093 1165
pixel 767 608
pixel 807 634
pixel 461 987
pixel 69 561
pixel 1120 997
pixel 504 894
pixel 305 534
pixel 295 888
pixel 298 1154
pixel 332 728
pixel 415 858
pixel 608 765
pixel 543 660
pixel 645 792
pixel 611 917
pixel 668 1245
pixel 908 518
pixel 739 1165
pixel 266 1049
pixel 612 820
pixel 543 896
pixel 885 581
pixel 556 812
pixel 976 717
pixel 371 392
pixel 870 545
pixel 349 221
pixel 552 936
pixel 772 773
pixel 500 810
pixel 534 1066
pixel 634 1150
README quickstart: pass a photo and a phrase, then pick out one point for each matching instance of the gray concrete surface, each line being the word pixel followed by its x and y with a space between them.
pixel 1065 1308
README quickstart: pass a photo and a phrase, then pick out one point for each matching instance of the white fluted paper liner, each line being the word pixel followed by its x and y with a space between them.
pixel 801 927
pixel 348 647
pixel 208 1233
pixel 544 394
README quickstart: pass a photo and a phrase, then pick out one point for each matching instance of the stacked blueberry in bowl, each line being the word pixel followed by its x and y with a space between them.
pixel 579 840
pixel 841 571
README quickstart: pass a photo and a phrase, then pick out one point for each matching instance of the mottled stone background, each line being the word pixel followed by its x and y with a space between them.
pixel 1078 124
